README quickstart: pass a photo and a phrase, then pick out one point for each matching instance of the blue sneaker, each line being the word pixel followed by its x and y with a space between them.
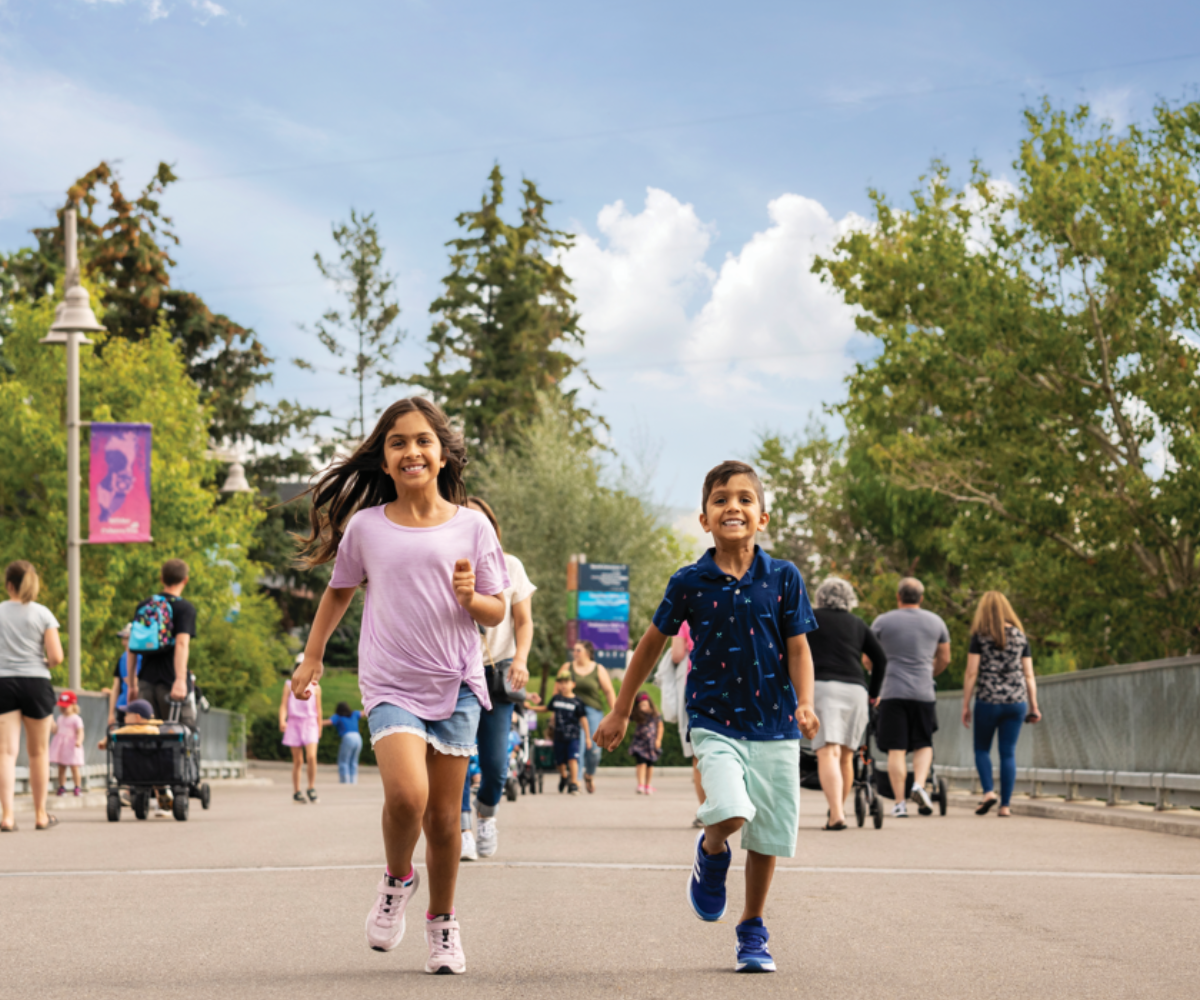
pixel 706 884
pixel 752 954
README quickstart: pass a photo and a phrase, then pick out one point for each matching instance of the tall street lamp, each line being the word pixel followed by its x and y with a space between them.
pixel 72 319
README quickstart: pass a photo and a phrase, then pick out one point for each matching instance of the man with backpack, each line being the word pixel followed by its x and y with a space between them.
pixel 162 630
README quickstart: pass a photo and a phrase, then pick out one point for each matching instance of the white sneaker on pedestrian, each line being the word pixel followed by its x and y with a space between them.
pixel 446 956
pixel 923 801
pixel 385 922
pixel 900 811
pixel 468 852
pixel 486 837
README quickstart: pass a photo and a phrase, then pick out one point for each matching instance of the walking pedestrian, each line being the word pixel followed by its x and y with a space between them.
pixel 916 643
pixel 841 646
pixel 594 688
pixel 164 626
pixel 507 646
pixel 392 517
pixel 345 724
pixel 118 696
pixel 29 648
pixel 300 723
pixel 1000 675
pixel 646 746
pixel 66 748
pixel 749 699
pixel 570 724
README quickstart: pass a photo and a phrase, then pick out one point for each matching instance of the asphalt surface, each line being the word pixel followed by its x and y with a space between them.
pixel 259 897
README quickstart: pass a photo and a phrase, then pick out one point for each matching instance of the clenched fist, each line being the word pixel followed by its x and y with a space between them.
pixel 464 583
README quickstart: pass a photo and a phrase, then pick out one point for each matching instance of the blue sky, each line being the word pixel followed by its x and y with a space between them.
pixel 702 152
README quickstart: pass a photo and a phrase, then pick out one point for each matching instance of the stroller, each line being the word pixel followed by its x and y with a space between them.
pixel 866 800
pixel 520 762
pixel 143 762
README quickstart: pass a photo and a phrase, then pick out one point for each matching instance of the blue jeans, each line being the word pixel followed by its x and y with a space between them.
pixel 348 751
pixel 491 740
pixel 1007 719
pixel 591 758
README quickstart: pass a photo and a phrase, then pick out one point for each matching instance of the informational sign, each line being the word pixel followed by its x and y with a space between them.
pixel 605 635
pixel 612 659
pixel 603 606
pixel 119 484
pixel 603 576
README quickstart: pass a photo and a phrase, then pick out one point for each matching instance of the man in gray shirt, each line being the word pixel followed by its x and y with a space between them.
pixel 917 645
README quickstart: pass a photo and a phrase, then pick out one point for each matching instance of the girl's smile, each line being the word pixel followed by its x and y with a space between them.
pixel 412 453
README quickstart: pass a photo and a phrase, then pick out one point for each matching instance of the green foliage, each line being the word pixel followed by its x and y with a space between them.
pixel 506 322
pixel 135 381
pixel 1038 377
pixel 552 500
pixel 368 323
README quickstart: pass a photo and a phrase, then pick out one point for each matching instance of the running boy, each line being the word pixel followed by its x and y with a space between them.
pixel 749 697
pixel 569 716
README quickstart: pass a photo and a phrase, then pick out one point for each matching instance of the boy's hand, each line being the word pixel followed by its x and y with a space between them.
pixel 307 674
pixel 610 732
pixel 464 583
pixel 806 719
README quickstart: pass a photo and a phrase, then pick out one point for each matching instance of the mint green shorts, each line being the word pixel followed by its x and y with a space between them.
pixel 757 780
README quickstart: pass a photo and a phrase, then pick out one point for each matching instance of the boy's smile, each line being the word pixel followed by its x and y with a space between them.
pixel 733 513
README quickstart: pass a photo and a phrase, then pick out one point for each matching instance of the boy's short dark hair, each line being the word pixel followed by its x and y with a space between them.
pixel 724 472
pixel 174 571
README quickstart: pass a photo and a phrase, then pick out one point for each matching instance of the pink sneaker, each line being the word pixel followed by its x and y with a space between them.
pixel 385 922
pixel 446 956
pixel 649 789
pixel 641 789
pixel 78 791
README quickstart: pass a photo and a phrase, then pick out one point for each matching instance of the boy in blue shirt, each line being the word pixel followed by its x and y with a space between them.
pixel 749 697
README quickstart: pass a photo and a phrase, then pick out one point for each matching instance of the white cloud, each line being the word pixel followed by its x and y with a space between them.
pixel 205 10
pixel 1114 105
pixel 636 291
pixel 650 293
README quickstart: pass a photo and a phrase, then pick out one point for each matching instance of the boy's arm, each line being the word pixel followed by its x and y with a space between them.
pixel 800 670
pixel 587 731
pixel 611 730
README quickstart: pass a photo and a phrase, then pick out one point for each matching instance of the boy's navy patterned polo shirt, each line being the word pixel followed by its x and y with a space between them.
pixel 739 684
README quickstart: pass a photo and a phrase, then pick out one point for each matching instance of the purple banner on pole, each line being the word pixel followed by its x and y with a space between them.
pixel 605 635
pixel 119 484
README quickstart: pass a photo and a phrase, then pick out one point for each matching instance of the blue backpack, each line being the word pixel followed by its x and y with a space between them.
pixel 153 626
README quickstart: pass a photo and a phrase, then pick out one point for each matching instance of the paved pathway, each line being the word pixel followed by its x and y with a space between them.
pixel 259 897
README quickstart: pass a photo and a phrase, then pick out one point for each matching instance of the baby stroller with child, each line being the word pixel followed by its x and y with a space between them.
pixel 520 764
pixel 152 757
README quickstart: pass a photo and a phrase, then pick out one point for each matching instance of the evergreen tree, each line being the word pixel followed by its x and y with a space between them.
pixel 368 323
pixel 505 322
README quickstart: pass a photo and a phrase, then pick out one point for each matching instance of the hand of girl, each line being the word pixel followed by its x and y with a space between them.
pixel 306 675
pixel 464 583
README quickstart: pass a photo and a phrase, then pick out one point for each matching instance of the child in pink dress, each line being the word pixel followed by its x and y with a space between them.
pixel 300 723
pixel 66 749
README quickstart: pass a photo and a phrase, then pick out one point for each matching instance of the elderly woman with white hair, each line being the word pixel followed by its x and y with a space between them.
pixel 841 647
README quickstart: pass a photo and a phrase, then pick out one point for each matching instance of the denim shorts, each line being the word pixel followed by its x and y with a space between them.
pixel 454 736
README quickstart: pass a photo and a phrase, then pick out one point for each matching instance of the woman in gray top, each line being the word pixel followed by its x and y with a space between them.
pixel 29 647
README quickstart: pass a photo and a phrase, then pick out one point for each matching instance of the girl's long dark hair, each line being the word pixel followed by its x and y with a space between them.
pixel 359 481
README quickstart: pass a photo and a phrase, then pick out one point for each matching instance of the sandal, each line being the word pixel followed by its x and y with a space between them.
pixel 839 825
pixel 9 829
pixel 984 806
pixel 50 821
pixel 590 782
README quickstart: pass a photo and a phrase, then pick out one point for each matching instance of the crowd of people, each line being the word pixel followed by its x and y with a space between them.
pixel 746 664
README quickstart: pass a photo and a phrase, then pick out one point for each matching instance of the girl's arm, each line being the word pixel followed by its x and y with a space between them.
pixel 678 649
pixel 283 710
pixel 658 742
pixel 606 685
pixel 969 679
pixel 486 609
pixel 53 647
pixel 1031 687
pixel 649 651
pixel 79 732
pixel 800 670
pixel 518 673
pixel 330 612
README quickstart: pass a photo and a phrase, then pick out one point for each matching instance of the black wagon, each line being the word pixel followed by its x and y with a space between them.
pixel 143 762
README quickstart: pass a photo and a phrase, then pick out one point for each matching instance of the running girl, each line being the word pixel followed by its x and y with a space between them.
pixel 392 517
pixel 646 746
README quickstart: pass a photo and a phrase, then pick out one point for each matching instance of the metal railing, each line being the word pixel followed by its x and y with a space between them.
pixel 1123 733
pixel 222 744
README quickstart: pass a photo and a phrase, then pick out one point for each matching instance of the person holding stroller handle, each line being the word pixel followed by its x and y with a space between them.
pixel 841 647
pixel 917 645
pixel 1000 674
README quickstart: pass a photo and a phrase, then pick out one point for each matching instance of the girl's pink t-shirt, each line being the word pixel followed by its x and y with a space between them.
pixel 418 644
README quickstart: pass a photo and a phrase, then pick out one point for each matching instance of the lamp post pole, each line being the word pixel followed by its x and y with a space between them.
pixel 73 318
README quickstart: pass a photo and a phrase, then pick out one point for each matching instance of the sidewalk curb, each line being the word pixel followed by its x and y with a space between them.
pixel 1176 825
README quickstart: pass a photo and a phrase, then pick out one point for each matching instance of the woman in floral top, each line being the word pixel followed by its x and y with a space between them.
pixel 646 746
pixel 1000 674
